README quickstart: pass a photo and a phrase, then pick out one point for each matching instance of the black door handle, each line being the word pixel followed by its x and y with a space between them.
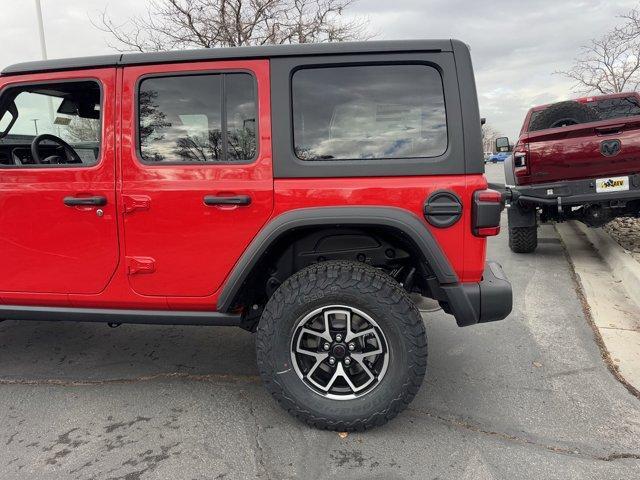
pixel 97 201
pixel 213 200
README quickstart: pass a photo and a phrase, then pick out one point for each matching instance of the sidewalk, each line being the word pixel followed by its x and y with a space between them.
pixel 607 276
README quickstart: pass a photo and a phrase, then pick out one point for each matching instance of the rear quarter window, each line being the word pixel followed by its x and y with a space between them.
pixel 616 107
pixel 368 112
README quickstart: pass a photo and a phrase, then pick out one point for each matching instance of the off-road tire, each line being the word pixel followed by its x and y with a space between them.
pixel 356 285
pixel 558 113
pixel 523 239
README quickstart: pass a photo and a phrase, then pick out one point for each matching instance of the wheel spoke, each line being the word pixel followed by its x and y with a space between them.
pixel 359 357
pixel 363 333
pixel 377 351
pixel 304 351
pixel 320 357
pixel 325 335
pixel 340 373
pixel 327 324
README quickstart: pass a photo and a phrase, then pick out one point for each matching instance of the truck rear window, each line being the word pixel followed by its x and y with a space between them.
pixel 368 112
pixel 607 109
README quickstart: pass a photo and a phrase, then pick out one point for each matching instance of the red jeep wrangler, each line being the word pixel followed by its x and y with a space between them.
pixel 302 192
pixel 576 160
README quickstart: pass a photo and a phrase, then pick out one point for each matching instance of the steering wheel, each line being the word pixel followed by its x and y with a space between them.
pixel 69 152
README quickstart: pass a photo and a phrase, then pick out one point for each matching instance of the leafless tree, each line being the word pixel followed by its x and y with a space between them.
pixel 611 63
pixel 83 130
pixel 489 135
pixel 179 24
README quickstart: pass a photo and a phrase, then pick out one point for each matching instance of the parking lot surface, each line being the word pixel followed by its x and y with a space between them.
pixel 527 397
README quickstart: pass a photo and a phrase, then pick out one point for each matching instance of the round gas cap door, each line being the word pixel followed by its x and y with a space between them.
pixel 443 209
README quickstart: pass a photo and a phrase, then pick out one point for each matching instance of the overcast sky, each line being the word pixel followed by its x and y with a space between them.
pixel 516 46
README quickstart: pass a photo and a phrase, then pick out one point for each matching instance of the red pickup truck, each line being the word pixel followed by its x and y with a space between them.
pixel 574 160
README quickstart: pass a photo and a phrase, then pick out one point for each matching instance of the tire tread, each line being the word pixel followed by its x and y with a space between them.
pixel 362 279
pixel 523 239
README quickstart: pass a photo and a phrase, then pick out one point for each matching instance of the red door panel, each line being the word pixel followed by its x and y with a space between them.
pixel 175 244
pixel 46 246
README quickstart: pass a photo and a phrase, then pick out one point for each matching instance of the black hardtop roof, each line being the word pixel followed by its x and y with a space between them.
pixel 307 49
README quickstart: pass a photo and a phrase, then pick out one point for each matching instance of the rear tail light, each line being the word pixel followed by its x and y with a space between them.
pixel 520 161
pixel 487 206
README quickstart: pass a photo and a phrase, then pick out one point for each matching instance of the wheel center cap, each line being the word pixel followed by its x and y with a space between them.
pixel 339 351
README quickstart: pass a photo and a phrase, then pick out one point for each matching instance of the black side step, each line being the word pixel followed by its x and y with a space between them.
pixel 159 317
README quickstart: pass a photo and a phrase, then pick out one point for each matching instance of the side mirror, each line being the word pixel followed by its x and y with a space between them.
pixel 502 144
pixel 8 119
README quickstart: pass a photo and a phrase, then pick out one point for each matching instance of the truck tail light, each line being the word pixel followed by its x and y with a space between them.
pixel 520 161
pixel 487 207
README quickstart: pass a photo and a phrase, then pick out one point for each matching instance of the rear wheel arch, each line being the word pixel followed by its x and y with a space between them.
pixel 398 228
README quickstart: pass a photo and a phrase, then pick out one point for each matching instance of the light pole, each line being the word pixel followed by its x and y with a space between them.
pixel 43 45
pixel 43 49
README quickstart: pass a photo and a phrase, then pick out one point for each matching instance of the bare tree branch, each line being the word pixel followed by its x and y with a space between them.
pixel 611 63
pixel 179 24
pixel 489 136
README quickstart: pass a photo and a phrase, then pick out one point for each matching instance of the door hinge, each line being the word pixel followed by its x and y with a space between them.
pixel 140 265
pixel 135 202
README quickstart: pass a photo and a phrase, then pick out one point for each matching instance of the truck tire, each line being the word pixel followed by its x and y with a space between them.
pixel 362 319
pixel 523 239
pixel 563 114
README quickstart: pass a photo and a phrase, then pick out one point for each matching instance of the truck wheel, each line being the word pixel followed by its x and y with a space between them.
pixel 341 346
pixel 563 114
pixel 523 239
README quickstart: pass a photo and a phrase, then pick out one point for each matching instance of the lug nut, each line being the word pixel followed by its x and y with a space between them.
pixel 347 361
pixel 332 361
pixel 352 346
pixel 326 346
pixel 338 338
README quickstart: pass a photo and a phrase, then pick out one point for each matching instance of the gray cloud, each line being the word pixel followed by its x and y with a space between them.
pixel 516 46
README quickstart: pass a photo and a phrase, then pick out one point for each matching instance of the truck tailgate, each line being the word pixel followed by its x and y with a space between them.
pixel 593 150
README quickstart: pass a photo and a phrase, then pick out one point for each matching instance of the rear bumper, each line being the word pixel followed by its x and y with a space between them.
pixel 489 300
pixel 574 192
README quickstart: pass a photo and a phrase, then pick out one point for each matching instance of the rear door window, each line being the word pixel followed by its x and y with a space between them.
pixel 192 119
pixel 368 112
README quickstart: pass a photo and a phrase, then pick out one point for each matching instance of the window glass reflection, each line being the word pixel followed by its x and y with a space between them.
pixel 369 112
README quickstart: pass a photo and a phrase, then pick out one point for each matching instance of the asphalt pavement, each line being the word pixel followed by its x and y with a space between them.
pixel 527 397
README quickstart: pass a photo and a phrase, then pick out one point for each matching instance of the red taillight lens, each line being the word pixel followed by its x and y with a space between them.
pixel 489 196
pixel 520 161
pixel 487 231
pixel 487 207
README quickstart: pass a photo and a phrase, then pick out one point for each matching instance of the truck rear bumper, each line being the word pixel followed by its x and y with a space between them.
pixel 489 300
pixel 573 192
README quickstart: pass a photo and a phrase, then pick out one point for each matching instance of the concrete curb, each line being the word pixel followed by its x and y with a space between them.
pixel 611 308
pixel 624 266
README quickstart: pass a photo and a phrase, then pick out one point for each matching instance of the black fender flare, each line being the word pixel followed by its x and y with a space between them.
pixel 388 217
